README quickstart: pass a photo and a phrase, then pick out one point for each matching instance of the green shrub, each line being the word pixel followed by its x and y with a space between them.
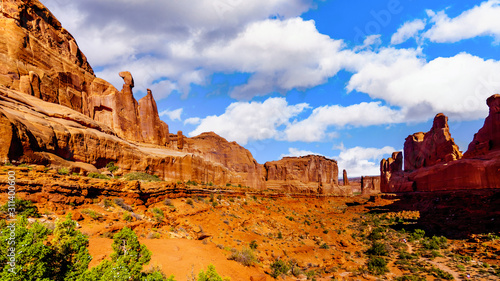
pixel 190 182
pixel 377 234
pixel 324 246
pixel 417 235
pixel 127 217
pixel 280 235
pixel 97 176
pixel 93 214
pixel 211 275
pixel 377 266
pixel 246 256
pixel 378 249
pixel 278 268
pixel 111 167
pixel 63 171
pixel 253 244
pixel 441 274
pixel 141 176
pixel 22 207
pixel 158 214
pixel 410 278
pixel 190 202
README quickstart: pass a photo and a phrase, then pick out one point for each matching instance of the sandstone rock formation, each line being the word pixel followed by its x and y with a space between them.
pixel 370 185
pixel 53 110
pixel 427 149
pixel 310 173
pixel 434 161
pixel 488 137
pixel 40 58
pixel 215 148
pixel 344 178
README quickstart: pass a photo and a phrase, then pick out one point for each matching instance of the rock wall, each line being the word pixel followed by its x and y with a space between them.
pixel 54 109
pixel 487 139
pixel 427 149
pixel 312 173
pixel 42 59
pixel 434 163
pixel 370 185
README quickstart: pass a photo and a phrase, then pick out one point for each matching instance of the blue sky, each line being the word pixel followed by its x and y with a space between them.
pixel 346 79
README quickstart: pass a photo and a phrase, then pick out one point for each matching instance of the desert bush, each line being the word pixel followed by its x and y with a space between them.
pixel 278 268
pixel 246 256
pixel 112 167
pixel 121 203
pixel 127 217
pixel 324 246
pixel 253 244
pixel 107 203
pixel 141 176
pixel 417 235
pixel 158 214
pixel 189 201
pixel 441 274
pixel 168 202
pixel 93 214
pixel 97 176
pixel 378 249
pixel 211 275
pixel 190 182
pixel 22 207
pixel 377 266
pixel 377 234
pixel 63 171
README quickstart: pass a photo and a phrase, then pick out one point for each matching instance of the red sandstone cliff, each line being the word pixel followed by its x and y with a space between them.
pixel 40 58
pixel 434 163
pixel 53 110
pixel 310 173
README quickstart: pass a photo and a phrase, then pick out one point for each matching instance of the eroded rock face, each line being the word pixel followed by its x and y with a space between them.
pixel 153 129
pixel 487 139
pixel 434 163
pixel 427 149
pixel 344 177
pixel 310 173
pixel 370 185
pixel 40 58
pixel 215 148
pixel 54 109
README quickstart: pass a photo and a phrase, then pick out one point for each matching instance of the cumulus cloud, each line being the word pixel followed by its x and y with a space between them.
pixel 457 86
pixel 314 128
pixel 407 30
pixel 246 121
pixel 362 161
pixel 158 39
pixel 482 20
pixel 172 114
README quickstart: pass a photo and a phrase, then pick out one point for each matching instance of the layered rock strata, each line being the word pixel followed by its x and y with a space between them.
pixel 41 58
pixel 370 185
pixel 434 164
pixel 310 173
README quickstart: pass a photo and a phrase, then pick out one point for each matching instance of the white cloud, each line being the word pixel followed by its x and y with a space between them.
pixel 179 40
pixel 315 126
pixel 246 121
pixel 295 152
pixel 172 114
pixel 407 30
pixel 482 20
pixel 362 161
pixel 455 85
pixel 192 121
